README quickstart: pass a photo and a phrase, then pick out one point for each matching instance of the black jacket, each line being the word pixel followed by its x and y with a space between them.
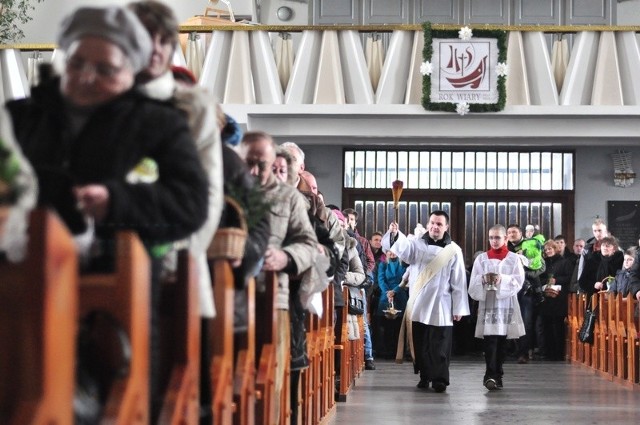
pixel 561 270
pixel 597 267
pixel 115 137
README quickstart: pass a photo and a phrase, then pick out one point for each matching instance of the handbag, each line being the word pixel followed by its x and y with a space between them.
pixel 588 324
pixel 356 302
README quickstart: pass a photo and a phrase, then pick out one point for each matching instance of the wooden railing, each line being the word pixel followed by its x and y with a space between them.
pixel 222 343
pixel 244 381
pixel 125 296
pixel 43 298
pixel 38 323
pixel 181 400
pixel 351 352
pixel 614 352
pixel 266 352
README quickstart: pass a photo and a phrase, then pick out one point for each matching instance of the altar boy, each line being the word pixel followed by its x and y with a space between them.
pixel 496 278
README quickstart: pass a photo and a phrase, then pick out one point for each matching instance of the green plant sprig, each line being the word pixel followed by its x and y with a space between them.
pixel 12 14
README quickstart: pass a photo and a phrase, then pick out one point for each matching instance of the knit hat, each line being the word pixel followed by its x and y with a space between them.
pixel 339 215
pixel 180 73
pixel 231 133
pixel 115 24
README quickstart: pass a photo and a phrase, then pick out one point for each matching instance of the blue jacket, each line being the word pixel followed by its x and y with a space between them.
pixel 620 284
pixel 389 278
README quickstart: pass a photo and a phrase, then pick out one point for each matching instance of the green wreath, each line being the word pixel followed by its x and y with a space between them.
pixel 427 52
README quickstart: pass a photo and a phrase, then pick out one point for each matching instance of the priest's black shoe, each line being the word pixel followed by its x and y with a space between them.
pixel 439 387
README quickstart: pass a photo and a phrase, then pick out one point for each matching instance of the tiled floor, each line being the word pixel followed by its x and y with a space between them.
pixel 534 393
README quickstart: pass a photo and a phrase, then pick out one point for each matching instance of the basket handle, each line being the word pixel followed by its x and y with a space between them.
pixel 242 219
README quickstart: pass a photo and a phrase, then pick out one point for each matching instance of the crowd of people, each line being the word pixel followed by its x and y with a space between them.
pixel 121 139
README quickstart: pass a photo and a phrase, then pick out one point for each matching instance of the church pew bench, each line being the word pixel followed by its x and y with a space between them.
pixel 222 342
pixel 266 345
pixel 38 324
pixel 244 381
pixel 180 298
pixel 125 296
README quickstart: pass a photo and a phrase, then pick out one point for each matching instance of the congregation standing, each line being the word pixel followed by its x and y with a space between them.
pixel 122 140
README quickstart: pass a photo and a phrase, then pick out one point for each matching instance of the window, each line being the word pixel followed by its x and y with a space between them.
pixel 373 169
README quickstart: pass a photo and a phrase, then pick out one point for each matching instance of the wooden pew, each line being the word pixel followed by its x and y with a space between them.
pixel 328 358
pixel 125 294
pixel 305 393
pixel 222 342
pixel 180 297
pixel 319 337
pixel 344 347
pixel 612 332
pixel 622 340
pixel 358 351
pixel 582 304
pixel 38 323
pixel 309 402
pixel 351 353
pixel 633 342
pixel 574 327
pixel 244 381
pixel 602 333
pixel 283 371
pixel 590 350
pixel 266 331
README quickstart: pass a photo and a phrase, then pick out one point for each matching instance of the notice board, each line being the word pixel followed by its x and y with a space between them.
pixel 624 222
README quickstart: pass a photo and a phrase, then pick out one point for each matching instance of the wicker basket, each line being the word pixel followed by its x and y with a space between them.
pixel 228 242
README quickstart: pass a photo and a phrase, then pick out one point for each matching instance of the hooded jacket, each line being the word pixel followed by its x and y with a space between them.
pixel 116 136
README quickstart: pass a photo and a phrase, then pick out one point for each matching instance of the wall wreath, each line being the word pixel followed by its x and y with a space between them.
pixel 464 71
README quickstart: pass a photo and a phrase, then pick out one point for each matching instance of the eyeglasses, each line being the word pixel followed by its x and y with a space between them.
pixel 262 165
pixel 100 70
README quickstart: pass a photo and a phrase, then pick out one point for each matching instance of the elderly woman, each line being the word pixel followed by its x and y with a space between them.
pixel 86 132
pixel 553 311
pixel 282 165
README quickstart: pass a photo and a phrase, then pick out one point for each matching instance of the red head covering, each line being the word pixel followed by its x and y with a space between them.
pixel 182 74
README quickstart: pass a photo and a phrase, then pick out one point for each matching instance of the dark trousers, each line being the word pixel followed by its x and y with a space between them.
pixel 156 378
pixel 295 385
pixel 495 349
pixel 206 393
pixel 298 332
pixel 554 335
pixel 526 341
pixel 337 328
pixel 388 335
pixel 432 346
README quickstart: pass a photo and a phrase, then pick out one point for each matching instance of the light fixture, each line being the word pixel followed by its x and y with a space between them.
pixel 284 13
pixel 623 175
